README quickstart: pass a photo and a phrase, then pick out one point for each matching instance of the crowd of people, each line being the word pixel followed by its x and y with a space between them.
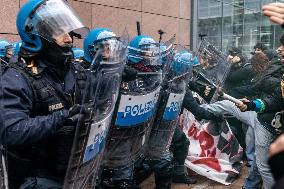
pixel 107 115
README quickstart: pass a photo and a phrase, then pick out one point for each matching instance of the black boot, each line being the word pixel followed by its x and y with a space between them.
pixel 180 175
pixel 163 181
pixel 142 173
pixel 120 185
pixel 107 182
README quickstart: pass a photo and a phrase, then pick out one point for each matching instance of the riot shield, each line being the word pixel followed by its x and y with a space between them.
pixel 171 99
pixel 213 69
pixel 136 108
pixel 3 170
pixel 100 95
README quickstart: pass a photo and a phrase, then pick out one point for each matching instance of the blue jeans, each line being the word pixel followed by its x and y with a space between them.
pixel 253 181
pixel 263 139
pixel 250 144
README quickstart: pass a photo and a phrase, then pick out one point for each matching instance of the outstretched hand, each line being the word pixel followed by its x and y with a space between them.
pixel 243 106
pixel 78 112
pixel 275 12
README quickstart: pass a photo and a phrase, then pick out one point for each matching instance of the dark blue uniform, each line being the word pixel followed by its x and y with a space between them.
pixel 35 106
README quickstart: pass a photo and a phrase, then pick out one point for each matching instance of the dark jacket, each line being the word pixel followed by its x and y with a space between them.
pixel 35 105
pixel 190 103
pixel 273 103
pixel 262 84
pixel 265 86
pixel 239 77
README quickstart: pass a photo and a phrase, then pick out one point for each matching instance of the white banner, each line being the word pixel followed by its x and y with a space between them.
pixel 214 151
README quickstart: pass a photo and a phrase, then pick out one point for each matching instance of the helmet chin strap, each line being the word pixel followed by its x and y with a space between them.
pixel 3 60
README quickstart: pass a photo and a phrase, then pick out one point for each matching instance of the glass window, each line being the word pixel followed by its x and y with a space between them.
pixel 238 23
pixel 209 21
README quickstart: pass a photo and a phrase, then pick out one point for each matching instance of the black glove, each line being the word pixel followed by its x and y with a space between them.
pixel 78 113
pixel 250 106
pixel 129 73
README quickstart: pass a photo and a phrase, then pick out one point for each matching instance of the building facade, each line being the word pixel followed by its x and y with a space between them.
pixel 237 23
pixel 172 16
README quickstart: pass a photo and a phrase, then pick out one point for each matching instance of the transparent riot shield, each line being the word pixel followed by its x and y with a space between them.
pixel 100 95
pixel 136 109
pixel 213 69
pixel 3 170
pixel 171 99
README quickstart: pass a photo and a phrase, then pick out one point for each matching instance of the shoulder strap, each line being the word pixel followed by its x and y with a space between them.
pixel 81 78
pixel 35 80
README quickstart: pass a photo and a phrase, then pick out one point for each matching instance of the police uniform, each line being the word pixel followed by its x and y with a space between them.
pixel 36 106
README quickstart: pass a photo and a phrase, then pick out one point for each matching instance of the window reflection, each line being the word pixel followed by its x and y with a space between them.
pixel 237 23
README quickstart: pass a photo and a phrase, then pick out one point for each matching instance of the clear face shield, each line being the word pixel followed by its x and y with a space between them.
pixel 215 65
pixel 9 51
pixel 100 95
pixel 154 54
pixel 109 58
pixel 54 18
pixel 181 66
pixel 108 51
pixel 148 55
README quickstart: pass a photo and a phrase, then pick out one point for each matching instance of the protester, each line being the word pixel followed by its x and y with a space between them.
pixel 265 133
pixel 259 47
pixel 276 155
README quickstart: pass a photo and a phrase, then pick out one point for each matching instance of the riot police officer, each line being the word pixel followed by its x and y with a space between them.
pixel 39 91
pixel 180 143
pixel 5 54
pixel 135 113
pixel 6 51
pixel 104 60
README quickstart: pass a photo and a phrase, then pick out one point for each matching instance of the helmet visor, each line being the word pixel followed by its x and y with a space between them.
pixel 110 51
pixel 9 51
pixel 181 67
pixel 150 54
pixel 54 18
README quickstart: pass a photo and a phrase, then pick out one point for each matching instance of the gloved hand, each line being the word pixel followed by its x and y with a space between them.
pixel 129 73
pixel 77 113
